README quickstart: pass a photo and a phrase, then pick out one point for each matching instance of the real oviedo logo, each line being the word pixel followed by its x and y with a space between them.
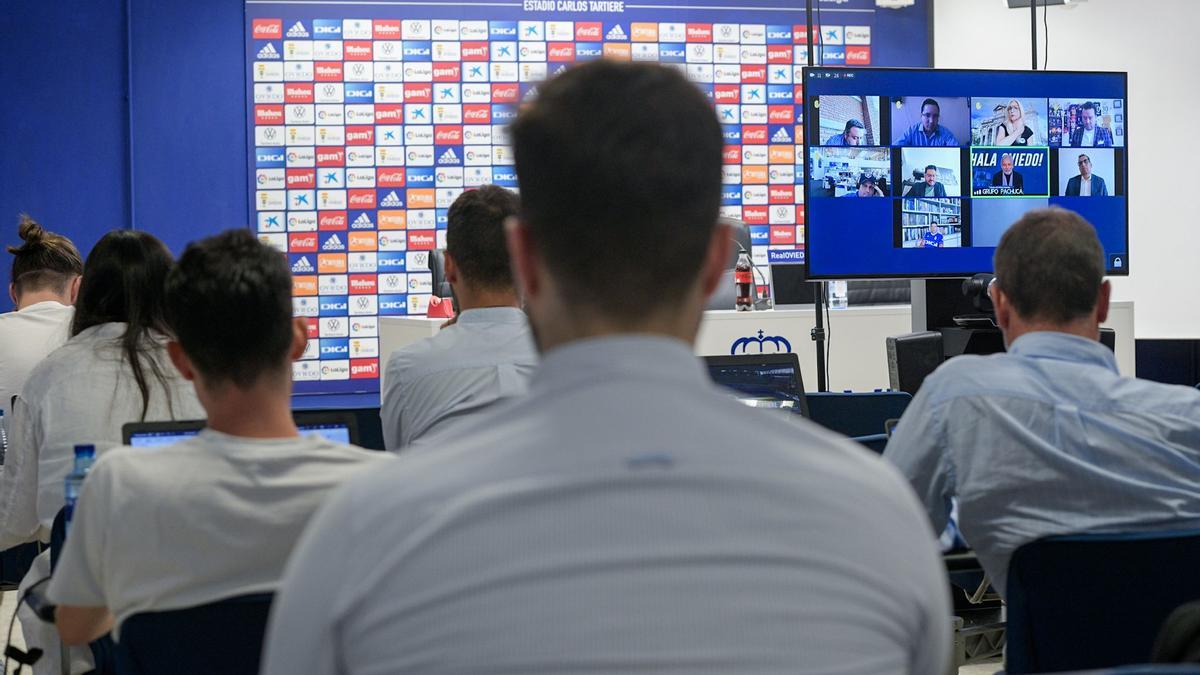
pixel 761 344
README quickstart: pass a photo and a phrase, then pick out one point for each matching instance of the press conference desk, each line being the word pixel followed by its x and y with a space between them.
pixel 857 355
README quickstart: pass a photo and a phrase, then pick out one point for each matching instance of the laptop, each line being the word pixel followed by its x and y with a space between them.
pixel 339 427
pixel 761 380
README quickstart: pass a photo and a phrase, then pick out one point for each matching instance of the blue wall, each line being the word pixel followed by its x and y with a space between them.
pixel 69 158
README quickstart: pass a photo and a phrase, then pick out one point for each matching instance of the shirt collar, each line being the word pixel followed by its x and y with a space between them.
pixel 1064 347
pixel 492 315
pixel 46 306
pixel 621 357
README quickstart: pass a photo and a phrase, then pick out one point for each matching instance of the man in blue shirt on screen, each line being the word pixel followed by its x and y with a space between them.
pixel 1049 438
pixel 933 238
pixel 928 132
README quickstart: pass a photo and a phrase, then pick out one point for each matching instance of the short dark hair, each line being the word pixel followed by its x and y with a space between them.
pixel 621 199
pixel 229 303
pixel 931 167
pixel 853 124
pixel 1088 105
pixel 931 102
pixel 475 235
pixel 1050 264
pixel 44 261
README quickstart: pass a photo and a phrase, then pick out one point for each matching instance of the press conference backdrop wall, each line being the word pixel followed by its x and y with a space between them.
pixel 140 116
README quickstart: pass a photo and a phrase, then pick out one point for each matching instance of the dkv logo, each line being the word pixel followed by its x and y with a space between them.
pixel 758 345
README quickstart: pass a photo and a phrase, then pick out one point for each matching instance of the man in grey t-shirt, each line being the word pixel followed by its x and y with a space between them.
pixel 216 516
pixel 624 516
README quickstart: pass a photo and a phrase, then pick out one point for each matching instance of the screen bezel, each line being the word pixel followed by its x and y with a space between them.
pixel 1123 272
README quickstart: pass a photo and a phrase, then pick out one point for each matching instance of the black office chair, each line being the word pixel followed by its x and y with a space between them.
pixel 437 266
pixel 220 637
pixel 860 415
pixel 103 647
pixel 1096 601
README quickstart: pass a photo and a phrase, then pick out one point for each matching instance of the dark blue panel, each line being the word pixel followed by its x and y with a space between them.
pixel 63 125
pixel 189 107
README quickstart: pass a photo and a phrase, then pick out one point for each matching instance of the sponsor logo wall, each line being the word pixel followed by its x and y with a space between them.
pixel 366 128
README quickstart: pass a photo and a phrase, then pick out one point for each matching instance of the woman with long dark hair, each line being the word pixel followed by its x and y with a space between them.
pixel 112 370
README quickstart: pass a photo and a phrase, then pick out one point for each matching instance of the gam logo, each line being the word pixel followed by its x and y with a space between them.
pixel 743 345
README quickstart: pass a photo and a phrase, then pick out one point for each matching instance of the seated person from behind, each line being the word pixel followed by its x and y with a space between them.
pixel 487 354
pixel 930 187
pixel 45 280
pixel 866 188
pixel 852 134
pixel 1006 177
pixel 1086 184
pixel 1049 438
pixel 215 516
pixel 608 504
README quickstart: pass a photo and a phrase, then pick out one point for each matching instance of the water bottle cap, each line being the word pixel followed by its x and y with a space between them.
pixel 85 449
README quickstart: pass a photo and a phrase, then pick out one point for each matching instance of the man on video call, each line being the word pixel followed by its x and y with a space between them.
pixel 933 238
pixel 1089 135
pixel 930 187
pixel 1006 177
pixel 929 132
pixel 852 134
pixel 866 188
pixel 1086 184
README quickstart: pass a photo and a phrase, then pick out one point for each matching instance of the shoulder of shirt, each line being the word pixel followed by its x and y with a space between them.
pixel 788 448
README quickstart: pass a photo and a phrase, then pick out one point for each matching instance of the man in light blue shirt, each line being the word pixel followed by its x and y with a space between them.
pixel 625 516
pixel 928 132
pixel 487 354
pixel 1048 438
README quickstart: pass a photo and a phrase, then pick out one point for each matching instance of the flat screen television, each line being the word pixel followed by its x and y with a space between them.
pixel 916 173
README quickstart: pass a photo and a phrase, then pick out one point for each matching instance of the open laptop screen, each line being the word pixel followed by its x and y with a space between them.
pixel 761 380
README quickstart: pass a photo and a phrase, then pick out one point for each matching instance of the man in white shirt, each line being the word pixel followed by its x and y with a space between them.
pixel 624 516
pixel 487 354
pixel 43 286
pixel 216 516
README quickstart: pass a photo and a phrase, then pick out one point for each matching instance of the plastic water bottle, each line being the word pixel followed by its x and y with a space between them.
pixel 3 437
pixel 743 279
pixel 85 454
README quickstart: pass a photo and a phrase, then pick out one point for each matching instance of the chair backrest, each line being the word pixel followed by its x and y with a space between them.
pixel 1096 601
pixel 437 267
pixel 220 637
pixel 857 414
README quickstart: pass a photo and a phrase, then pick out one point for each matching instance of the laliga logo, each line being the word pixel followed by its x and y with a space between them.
pixel 782 346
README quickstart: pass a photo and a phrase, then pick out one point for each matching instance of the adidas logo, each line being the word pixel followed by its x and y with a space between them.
pixel 297 31
pixel 781 136
pixel 302 266
pixel 559 70
pixel 448 157
pixel 362 222
pixel 333 243
pixel 616 33
pixel 268 52
pixel 392 201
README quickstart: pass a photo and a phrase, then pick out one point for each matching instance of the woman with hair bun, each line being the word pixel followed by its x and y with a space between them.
pixel 46 269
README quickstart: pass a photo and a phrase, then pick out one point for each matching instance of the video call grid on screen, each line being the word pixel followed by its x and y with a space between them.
pixel 890 193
